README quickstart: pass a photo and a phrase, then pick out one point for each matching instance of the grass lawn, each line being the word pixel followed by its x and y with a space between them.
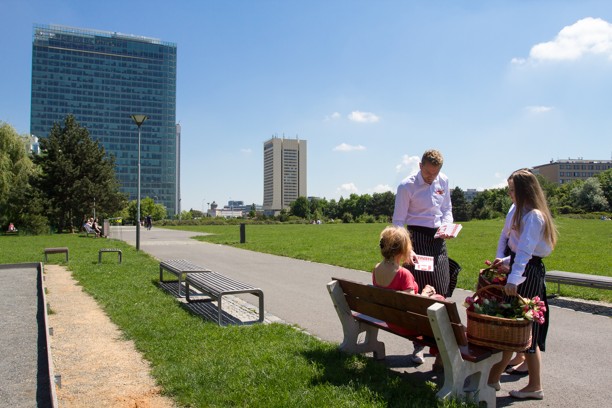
pixel 584 246
pixel 200 364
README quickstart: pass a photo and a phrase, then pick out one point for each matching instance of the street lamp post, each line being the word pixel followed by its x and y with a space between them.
pixel 138 120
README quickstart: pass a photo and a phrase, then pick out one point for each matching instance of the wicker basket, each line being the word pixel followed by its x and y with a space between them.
pixel 497 332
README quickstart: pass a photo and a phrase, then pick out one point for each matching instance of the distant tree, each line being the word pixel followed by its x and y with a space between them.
pixel 381 204
pixel 75 170
pixel 461 207
pixel 330 211
pixel 300 208
pixel 148 206
pixel 605 180
pixel 20 203
pixel 589 196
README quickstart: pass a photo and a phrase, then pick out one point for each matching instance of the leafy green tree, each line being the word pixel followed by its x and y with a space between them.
pixel 300 208
pixel 461 207
pixel 20 203
pixel 147 207
pixel 381 205
pixel 605 180
pixel 589 196
pixel 331 210
pixel 75 170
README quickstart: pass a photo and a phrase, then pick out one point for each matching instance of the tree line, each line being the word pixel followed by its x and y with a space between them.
pixel 593 195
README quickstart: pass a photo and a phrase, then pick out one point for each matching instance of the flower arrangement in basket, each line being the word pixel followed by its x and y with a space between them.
pixel 499 324
pixel 493 275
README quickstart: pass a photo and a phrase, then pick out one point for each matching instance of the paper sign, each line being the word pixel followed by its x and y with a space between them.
pixel 451 230
pixel 424 263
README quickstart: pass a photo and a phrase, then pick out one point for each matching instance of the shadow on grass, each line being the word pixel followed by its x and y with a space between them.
pixel 397 389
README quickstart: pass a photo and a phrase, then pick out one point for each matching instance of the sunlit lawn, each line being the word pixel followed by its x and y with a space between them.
pixel 584 246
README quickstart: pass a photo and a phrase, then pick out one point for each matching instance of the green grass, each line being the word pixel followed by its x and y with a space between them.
pixel 584 246
pixel 200 364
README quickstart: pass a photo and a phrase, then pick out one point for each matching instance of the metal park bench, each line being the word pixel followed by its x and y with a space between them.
pixel 578 279
pixel 59 250
pixel 101 251
pixel 179 267
pixel 215 286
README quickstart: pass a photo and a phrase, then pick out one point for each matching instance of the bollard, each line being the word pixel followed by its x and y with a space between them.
pixel 242 233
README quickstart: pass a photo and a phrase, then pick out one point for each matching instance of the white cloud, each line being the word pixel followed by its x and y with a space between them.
pixel 382 188
pixel 347 188
pixel 333 116
pixel 409 164
pixel 363 117
pixel 587 36
pixel 246 151
pixel 343 147
pixel 538 109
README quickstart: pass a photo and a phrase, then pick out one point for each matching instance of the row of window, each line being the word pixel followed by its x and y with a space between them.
pixel 578 174
pixel 585 166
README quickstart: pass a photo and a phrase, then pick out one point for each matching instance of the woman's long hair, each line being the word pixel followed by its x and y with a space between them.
pixel 528 195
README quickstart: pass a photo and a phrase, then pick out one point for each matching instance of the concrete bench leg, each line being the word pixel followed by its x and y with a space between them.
pixel 352 328
pixel 457 370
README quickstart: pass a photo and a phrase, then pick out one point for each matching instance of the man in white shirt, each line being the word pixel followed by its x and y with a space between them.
pixel 423 204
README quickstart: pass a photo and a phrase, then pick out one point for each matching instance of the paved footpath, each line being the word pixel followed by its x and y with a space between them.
pixel 577 368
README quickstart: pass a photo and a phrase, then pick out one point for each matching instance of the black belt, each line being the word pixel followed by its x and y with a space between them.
pixel 535 260
pixel 423 230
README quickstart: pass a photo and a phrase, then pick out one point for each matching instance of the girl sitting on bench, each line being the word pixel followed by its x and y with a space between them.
pixel 395 247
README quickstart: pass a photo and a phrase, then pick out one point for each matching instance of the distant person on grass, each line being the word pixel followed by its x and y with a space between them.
pixel 528 236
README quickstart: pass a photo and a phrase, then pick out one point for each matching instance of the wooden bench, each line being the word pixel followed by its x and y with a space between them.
pixel 179 267
pixel 59 250
pixel 578 279
pixel 215 286
pixel 366 309
pixel 117 250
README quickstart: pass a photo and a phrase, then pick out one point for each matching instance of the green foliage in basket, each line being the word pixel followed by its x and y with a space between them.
pixel 517 308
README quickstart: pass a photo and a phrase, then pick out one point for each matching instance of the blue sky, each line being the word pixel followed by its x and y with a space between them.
pixel 494 85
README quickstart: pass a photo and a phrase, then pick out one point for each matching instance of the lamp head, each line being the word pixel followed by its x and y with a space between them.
pixel 139 119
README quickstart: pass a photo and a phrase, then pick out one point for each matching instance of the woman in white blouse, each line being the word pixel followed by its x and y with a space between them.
pixel 529 235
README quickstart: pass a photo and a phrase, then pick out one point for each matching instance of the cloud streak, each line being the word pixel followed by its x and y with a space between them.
pixel 363 117
pixel 343 147
pixel 536 110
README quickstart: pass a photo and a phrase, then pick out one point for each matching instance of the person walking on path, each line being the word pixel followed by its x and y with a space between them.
pixel 529 235
pixel 423 204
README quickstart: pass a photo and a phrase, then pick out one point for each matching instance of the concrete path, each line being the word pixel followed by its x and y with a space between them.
pixel 577 367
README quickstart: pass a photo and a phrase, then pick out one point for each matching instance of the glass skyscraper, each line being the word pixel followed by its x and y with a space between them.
pixel 102 78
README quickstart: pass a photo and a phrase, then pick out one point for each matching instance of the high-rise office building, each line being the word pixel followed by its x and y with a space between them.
pixel 284 173
pixel 102 78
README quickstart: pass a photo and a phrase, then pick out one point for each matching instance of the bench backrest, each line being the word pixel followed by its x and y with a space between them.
pixel 402 309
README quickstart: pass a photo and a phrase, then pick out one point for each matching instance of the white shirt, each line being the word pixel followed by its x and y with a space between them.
pixel 525 244
pixel 420 204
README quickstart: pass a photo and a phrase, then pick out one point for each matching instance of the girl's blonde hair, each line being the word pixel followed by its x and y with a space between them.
pixel 528 195
pixel 395 241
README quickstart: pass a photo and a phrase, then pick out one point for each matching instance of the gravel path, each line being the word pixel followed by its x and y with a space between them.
pixel 97 367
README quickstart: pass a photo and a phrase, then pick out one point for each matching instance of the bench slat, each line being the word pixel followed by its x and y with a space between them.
pixel 216 286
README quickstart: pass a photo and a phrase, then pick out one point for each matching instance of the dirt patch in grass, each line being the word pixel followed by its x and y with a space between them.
pixel 98 367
